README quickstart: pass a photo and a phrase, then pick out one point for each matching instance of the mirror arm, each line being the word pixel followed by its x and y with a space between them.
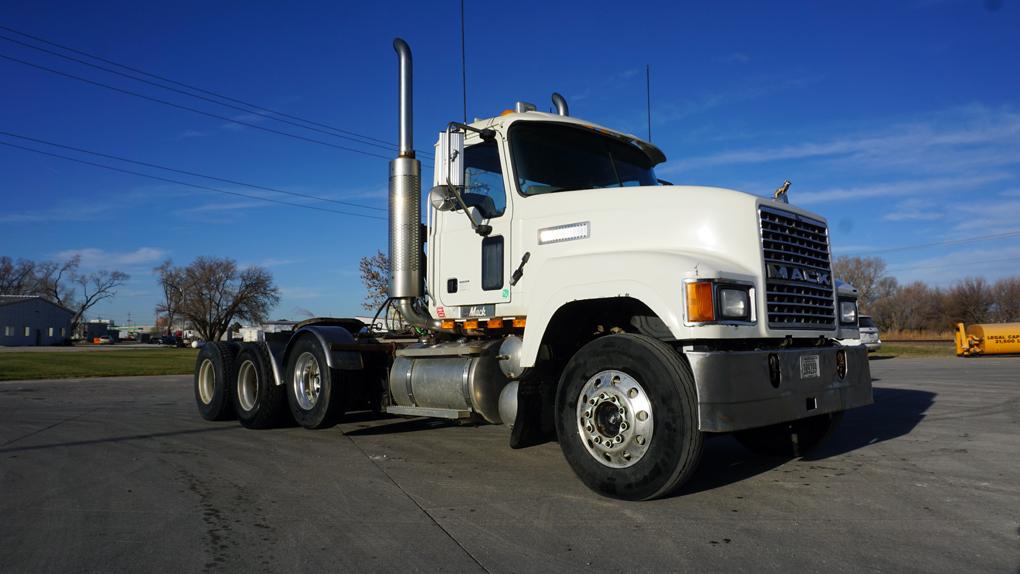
pixel 483 230
pixel 486 133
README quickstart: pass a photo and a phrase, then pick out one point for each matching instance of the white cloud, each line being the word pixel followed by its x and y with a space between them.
pixel 94 258
pixel 914 210
pixel 948 268
pixel 666 112
pixel 898 188
pixel 968 138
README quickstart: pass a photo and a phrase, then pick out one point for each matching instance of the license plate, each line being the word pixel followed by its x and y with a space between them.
pixel 809 368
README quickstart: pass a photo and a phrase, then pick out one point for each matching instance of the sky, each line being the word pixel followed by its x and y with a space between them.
pixel 898 121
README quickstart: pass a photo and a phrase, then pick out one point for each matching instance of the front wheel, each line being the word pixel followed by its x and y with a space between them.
pixel 627 417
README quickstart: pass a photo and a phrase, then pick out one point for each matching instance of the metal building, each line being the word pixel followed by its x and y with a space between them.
pixel 29 320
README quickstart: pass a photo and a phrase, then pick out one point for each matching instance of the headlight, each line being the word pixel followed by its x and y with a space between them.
pixel 848 311
pixel 734 303
pixel 711 301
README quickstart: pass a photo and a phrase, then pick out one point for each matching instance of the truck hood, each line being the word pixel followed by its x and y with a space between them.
pixel 716 226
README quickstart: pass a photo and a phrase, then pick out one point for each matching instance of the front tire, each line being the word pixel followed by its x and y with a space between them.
pixel 214 373
pixel 315 393
pixel 626 417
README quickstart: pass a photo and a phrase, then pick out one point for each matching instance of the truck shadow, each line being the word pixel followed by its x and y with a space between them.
pixel 894 413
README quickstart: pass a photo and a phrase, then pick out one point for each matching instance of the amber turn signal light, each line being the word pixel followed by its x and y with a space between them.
pixel 700 306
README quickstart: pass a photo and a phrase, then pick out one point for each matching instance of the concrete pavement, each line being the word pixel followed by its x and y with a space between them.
pixel 122 475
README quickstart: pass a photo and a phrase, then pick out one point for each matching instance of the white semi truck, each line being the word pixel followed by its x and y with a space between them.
pixel 558 287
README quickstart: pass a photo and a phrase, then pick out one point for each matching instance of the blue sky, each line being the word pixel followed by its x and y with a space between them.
pixel 898 121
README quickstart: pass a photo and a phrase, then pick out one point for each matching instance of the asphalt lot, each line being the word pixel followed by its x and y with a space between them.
pixel 122 475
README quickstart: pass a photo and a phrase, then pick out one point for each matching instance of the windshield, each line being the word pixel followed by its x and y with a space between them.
pixel 551 157
pixel 867 322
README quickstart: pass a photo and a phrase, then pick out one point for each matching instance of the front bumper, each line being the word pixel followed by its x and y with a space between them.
pixel 735 391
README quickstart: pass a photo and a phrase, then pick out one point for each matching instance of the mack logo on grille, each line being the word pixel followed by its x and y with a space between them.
pixel 791 273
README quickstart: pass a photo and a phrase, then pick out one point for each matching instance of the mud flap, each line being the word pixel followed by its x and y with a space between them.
pixel 535 423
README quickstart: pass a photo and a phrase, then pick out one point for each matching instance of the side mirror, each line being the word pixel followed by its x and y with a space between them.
pixel 442 199
pixel 450 159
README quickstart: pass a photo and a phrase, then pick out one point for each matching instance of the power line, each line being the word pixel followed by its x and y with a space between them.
pixel 389 147
pixel 1003 235
pixel 186 184
pixel 896 269
pixel 182 84
pixel 188 108
pixel 186 172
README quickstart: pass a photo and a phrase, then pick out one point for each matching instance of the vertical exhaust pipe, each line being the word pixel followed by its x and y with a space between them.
pixel 561 104
pixel 405 206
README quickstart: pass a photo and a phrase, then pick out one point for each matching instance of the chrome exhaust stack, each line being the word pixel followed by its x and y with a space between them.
pixel 561 104
pixel 405 207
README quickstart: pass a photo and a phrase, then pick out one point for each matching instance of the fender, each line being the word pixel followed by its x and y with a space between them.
pixel 653 277
pixel 326 335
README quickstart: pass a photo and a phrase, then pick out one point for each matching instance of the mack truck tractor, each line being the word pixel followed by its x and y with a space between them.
pixel 559 288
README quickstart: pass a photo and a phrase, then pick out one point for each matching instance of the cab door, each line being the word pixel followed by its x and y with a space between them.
pixel 471 270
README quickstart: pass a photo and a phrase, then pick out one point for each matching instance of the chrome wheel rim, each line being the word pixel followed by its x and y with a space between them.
pixel 614 419
pixel 247 385
pixel 307 381
pixel 206 381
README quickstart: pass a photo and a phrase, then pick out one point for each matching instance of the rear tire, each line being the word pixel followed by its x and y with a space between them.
pixel 315 392
pixel 259 402
pixel 626 417
pixel 790 439
pixel 214 374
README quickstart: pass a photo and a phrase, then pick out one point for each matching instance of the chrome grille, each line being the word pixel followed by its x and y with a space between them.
pixel 798 273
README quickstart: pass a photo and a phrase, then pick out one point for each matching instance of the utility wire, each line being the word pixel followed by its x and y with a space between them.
pixel 898 269
pixel 1003 235
pixel 190 109
pixel 184 183
pixel 188 86
pixel 388 147
pixel 191 173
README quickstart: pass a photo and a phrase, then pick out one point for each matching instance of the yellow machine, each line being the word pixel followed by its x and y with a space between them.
pixel 996 339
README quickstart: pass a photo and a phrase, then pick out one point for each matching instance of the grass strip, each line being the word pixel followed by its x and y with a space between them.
pixel 916 350
pixel 16 366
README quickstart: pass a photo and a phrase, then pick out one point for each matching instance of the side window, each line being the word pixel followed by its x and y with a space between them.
pixel 483 179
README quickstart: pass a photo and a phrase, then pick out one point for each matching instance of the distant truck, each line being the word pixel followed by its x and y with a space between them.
pixel 566 291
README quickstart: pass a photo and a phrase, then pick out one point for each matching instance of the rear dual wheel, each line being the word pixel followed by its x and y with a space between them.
pixel 627 417
pixel 214 372
pixel 258 400
pixel 316 394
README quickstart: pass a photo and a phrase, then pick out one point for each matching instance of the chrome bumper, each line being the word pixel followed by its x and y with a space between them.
pixel 735 391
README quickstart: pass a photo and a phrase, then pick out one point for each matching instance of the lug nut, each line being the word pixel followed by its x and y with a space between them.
pixel 640 440
pixel 642 416
pixel 632 393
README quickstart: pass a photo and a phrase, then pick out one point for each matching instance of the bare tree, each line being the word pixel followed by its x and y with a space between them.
pixel 970 301
pixel 171 281
pixel 868 275
pixel 214 293
pixel 1006 293
pixel 79 292
pixel 18 277
pixel 375 275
